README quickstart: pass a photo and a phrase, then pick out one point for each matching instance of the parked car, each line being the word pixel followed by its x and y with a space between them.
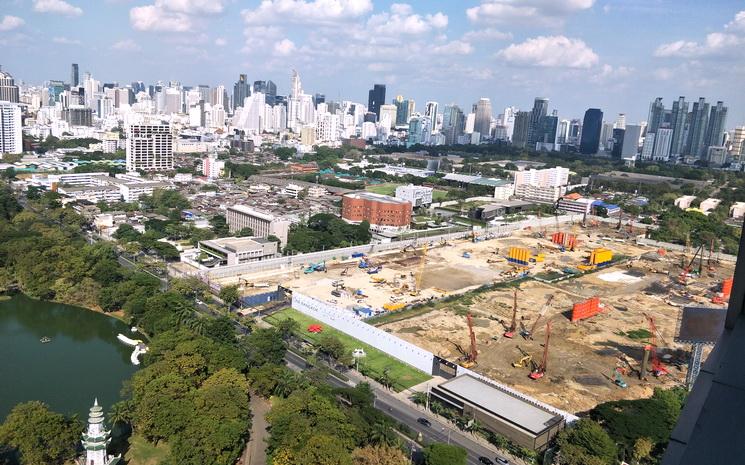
pixel 424 422
pixel 486 461
pixel 502 461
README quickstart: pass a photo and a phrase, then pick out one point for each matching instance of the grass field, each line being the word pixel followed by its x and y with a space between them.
pixel 142 452
pixel 388 188
pixel 375 362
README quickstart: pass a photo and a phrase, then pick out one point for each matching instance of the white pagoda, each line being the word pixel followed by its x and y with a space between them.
pixel 96 439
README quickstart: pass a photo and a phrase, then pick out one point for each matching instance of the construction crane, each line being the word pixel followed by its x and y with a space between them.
pixel 685 274
pixel 540 369
pixel 470 360
pixel 513 326
pixel 658 369
pixel 420 272
pixel 528 334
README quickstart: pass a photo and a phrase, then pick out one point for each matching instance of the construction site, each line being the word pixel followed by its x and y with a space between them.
pixel 573 315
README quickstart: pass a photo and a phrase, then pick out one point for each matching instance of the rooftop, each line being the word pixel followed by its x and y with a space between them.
pixel 235 244
pixel 500 403
pixel 375 197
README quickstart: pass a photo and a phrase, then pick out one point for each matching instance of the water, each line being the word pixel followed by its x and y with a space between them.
pixel 84 360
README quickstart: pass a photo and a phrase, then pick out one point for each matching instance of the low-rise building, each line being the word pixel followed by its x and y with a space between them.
pixel 708 205
pixel 317 192
pixel 684 201
pixel 228 251
pixel 546 194
pixel 99 187
pixel 384 213
pixel 737 210
pixel 263 224
pixel 575 203
pixel 417 196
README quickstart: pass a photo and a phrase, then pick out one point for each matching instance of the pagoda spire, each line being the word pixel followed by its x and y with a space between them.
pixel 96 437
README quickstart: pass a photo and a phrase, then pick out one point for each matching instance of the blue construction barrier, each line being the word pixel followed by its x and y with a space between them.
pixel 259 299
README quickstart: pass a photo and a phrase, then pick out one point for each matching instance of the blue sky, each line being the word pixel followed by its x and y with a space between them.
pixel 613 54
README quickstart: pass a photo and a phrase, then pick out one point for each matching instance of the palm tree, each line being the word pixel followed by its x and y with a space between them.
pixel 385 379
pixel 286 383
pixel 184 314
pixel 120 412
pixel 382 434
pixel 419 398
pixel 198 325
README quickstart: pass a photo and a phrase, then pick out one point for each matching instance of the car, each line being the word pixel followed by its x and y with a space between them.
pixel 424 421
pixel 486 461
pixel 502 461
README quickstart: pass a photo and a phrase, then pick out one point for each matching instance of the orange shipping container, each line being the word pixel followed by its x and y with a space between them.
pixel 586 309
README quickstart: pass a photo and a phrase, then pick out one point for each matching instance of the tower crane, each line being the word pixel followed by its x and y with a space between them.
pixel 513 326
pixel 540 369
pixel 528 334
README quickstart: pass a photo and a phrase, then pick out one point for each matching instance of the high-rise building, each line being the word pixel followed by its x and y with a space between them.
pixel 546 133
pixel 78 116
pixel 656 115
pixel 522 125
pixel 74 75
pixel 149 147
pixel 271 93
pixel 416 129
pixel 241 90
pixel 618 134
pixel 540 109
pixel 648 146
pixel 737 142
pixel 620 121
pixel 631 137
pixel 453 123
pixel 678 118
pixel 388 115
pixel 563 136
pixel 430 111
pixel 663 141
pixel 717 125
pixel 699 121
pixel 10 128
pixel 404 110
pixel 376 98
pixel 482 123
pixel 8 88
pixel 591 127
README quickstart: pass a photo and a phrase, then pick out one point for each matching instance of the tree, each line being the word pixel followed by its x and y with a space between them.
pixel 287 327
pixel 219 226
pixel 323 450
pixel 190 287
pixel 584 440
pixel 265 345
pixel 642 449
pixel 444 454
pixel 331 345
pixel 40 436
pixel 382 434
pixel 229 295
pixel 379 455
pixel 220 329
pixel 120 413
pixel 245 232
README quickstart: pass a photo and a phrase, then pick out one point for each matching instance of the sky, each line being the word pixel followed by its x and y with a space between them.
pixel 617 55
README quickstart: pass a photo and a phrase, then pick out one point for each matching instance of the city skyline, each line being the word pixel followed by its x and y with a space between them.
pixel 583 54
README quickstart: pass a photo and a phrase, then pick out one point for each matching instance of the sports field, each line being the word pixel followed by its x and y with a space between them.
pixel 401 375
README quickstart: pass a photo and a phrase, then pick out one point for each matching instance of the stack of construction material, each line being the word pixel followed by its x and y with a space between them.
pixel 586 309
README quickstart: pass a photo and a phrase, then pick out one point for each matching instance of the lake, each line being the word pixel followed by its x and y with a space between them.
pixel 84 359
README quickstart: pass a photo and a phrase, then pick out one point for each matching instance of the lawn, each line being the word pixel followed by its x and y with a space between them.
pixel 388 188
pixel 439 196
pixel 402 375
pixel 142 452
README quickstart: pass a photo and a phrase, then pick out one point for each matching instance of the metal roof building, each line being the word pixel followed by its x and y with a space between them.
pixel 519 420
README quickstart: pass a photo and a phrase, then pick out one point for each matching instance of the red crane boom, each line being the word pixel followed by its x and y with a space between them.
pixel 658 369
pixel 474 353
pixel 540 370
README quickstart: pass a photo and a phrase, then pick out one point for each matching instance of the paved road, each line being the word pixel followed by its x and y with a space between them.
pixel 407 414
pixel 255 452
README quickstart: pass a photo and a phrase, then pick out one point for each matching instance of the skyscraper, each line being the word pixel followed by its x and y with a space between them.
pixel 591 127
pixel 453 123
pixel 540 109
pixel 631 137
pixel 546 132
pixel 149 147
pixel 241 90
pixel 678 122
pixel 430 111
pixel 716 127
pixel 522 124
pixel 662 142
pixel 8 88
pixel 271 92
pixel 376 98
pixel 618 134
pixel 74 75
pixel 656 115
pixel 620 122
pixel 10 128
pixel 482 123
pixel 697 128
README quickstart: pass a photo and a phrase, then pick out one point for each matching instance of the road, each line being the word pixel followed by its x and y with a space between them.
pixel 255 452
pixel 406 413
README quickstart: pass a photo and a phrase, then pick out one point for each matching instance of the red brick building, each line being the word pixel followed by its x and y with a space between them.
pixel 381 211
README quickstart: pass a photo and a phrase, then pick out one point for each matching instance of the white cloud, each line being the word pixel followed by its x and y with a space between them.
pixel 550 51
pixel 284 47
pixel 221 42
pixel 191 6
pixel 379 67
pixel 737 24
pixel 716 44
pixel 66 41
pixel 152 18
pixel 56 6
pixel 306 11
pixel 456 47
pixel 486 35
pixel 402 20
pixel 543 12
pixel 9 23
pixel 126 45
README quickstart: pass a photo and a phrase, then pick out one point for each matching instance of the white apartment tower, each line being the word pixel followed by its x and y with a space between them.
pixel 10 128
pixel 149 147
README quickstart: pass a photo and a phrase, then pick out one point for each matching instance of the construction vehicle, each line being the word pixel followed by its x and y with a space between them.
pixel 513 326
pixel 618 379
pixel 315 267
pixel 528 334
pixel 377 280
pixel 688 271
pixel 345 272
pixel 467 358
pixel 525 361
pixel 540 370
pixel 374 270
pixel 466 255
pixel 650 350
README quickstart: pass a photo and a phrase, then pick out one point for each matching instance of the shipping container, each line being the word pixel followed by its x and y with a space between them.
pixel 601 257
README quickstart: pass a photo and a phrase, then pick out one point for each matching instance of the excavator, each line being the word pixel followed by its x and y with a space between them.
pixel 524 361
pixel 540 370
pixel 467 358
pixel 528 334
pixel 510 333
